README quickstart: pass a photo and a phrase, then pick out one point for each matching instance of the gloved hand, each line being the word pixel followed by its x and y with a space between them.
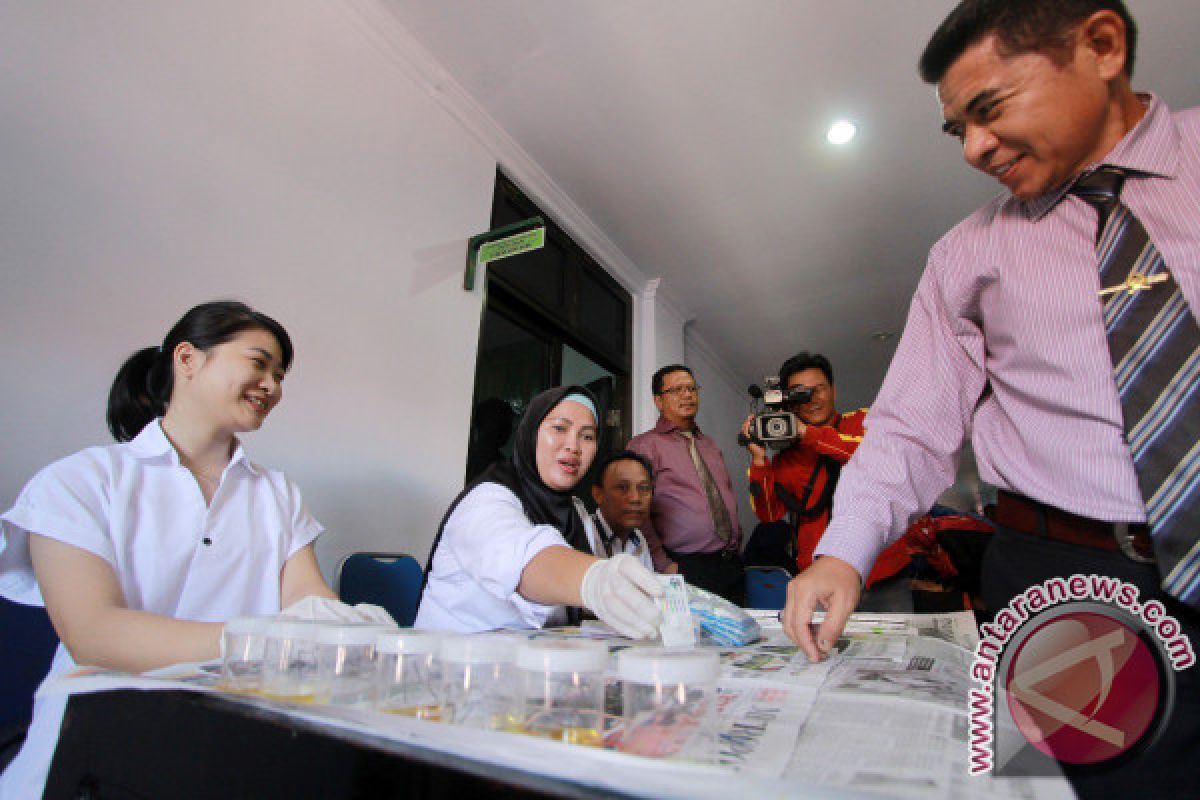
pixel 326 609
pixel 621 592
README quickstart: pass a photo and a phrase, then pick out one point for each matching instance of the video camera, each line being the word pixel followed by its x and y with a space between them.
pixel 773 424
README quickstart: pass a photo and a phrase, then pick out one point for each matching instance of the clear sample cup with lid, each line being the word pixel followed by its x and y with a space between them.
pixel 479 681
pixel 670 699
pixel 243 641
pixel 346 664
pixel 562 689
pixel 408 674
pixel 290 661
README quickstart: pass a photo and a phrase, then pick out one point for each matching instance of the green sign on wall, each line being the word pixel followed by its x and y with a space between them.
pixel 510 240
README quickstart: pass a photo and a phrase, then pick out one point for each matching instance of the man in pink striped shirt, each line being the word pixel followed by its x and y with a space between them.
pixel 1005 342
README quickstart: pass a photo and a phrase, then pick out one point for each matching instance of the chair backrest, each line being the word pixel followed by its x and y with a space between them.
pixel 766 587
pixel 772 544
pixel 27 644
pixel 391 580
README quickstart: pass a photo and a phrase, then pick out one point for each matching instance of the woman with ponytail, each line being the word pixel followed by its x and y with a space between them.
pixel 513 551
pixel 140 551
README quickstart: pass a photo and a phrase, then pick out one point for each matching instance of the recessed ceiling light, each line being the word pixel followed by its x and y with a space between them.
pixel 841 132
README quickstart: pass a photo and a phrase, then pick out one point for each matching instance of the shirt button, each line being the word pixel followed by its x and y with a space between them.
pixel 207 540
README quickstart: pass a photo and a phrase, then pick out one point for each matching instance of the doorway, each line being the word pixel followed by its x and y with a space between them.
pixel 551 317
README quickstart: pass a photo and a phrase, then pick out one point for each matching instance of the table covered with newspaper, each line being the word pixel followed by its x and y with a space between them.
pixel 885 716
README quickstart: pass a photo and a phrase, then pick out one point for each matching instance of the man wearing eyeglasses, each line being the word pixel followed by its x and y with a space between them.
pixel 801 479
pixel 693 526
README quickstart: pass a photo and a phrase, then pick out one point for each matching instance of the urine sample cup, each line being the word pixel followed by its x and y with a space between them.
pixel 290 661
pixel 669 698
pixel 562 689
pixel 479 681
pixel 244 639
pixel 408 674
pixel 346 664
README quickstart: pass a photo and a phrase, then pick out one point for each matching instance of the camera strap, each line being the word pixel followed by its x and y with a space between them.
pixel 800 506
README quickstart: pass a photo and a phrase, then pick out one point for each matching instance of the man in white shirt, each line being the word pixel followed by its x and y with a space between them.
pixel 624 488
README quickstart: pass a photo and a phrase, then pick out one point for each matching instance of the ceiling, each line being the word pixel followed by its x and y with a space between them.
pixel 692 133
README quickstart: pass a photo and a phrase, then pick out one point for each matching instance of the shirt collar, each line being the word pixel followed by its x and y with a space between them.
pixel 664 425
pixel 1151 148
pixel 153 443
pixel 606 532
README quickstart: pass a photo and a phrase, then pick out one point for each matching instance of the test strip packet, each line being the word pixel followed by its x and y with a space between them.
pixel 676 628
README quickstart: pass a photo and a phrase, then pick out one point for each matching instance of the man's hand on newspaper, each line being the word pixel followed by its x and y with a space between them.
pixel 831 584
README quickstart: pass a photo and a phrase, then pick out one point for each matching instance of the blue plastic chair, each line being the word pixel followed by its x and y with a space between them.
pixel 27 645
pixel 391 580
pixel 766 587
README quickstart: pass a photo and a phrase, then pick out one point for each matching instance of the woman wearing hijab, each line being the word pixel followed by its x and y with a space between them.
pixel 512 552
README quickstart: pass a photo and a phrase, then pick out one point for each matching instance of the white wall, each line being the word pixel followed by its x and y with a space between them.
pixel 156 155
pixel 302 155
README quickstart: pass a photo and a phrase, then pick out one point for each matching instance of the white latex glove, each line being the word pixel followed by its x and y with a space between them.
pixel 326 609
pixel 372 613
pixel 621 592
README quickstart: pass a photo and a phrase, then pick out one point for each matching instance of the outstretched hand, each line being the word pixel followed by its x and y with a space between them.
pixel 831 584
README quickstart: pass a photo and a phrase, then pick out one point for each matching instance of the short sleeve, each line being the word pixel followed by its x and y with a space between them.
pixel 493 540
pixel 67 501
pixel 304 528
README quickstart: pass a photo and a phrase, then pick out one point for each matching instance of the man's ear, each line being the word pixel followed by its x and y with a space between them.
pixel 1103 36
pixel 597 494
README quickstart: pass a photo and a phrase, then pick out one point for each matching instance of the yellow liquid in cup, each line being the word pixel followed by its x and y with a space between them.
pixel 304 698
pixel 587 737
pixel 507 723
pixel 432 713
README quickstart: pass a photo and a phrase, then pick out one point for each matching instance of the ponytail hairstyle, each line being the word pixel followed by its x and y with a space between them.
pixel 143 385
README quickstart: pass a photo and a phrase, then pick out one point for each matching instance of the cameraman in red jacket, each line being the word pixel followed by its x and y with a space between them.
pixel 803 476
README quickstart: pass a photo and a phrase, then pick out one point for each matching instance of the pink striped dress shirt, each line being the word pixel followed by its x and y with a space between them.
pixel 1004 343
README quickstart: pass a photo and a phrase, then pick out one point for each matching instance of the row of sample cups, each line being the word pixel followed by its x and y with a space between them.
pixel 554 688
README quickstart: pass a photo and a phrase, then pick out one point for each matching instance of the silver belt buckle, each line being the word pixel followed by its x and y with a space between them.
pixel 1125 542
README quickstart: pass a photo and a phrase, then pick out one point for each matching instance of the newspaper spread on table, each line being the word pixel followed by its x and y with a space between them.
pixel 884 716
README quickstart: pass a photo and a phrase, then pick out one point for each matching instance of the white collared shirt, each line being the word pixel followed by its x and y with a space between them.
pixel 473 579
pixel 601 538
pixel 137 507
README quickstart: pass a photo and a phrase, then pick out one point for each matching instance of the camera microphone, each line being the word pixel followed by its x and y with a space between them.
pixel 754 391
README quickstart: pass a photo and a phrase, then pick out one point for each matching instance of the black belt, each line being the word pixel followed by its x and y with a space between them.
pixel 728 554
pixel 1038 519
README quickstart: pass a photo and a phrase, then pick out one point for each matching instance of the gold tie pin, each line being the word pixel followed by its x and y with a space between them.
pixel 1136 282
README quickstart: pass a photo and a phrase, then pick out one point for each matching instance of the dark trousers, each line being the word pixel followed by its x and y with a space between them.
pixel 1170 767
pixel 722 573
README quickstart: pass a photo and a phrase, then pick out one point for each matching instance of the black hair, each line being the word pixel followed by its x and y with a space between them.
pixel 657 381
pixel 142 388
pixel 609 459
pixel 1021 26
pixel 802 361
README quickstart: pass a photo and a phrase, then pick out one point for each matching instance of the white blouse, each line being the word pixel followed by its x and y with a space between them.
pixel 473 580
pixel 137 507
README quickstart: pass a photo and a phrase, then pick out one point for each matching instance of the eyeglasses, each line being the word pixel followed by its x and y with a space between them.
pixel 690 388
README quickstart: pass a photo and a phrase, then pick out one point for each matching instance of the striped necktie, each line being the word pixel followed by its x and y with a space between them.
pixel 1155 346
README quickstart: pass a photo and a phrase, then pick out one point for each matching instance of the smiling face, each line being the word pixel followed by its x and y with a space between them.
pixel 234 384
pixel 623 496
pixel 566 445
pixel 1032 122
pixel 821 409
